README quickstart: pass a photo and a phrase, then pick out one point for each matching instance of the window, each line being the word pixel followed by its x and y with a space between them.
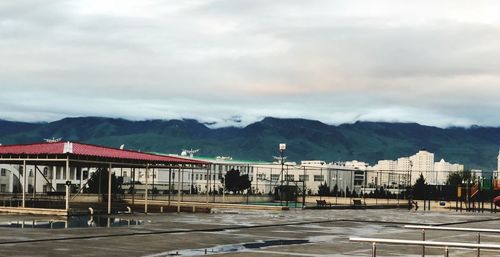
pixel 3 173
pixel 275 177
pixel 85 174
pixel 125 174
pixel 319 178
pixel 304 177
pixel 289 177
pixel 3 188
pixel 45 171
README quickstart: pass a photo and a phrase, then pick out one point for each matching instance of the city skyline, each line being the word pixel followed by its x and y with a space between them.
pixel 229 61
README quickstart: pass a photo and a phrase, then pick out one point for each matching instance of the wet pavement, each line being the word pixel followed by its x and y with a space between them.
pixel 239 233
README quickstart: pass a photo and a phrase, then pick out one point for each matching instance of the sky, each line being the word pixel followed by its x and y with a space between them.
pixel 233 62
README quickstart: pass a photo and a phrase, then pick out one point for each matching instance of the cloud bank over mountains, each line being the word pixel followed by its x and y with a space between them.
pixel 431 62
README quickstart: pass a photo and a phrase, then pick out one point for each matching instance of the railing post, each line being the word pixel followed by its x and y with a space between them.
pixel 446 251
pixel 423 239
pixel 478 241
pixel 374 249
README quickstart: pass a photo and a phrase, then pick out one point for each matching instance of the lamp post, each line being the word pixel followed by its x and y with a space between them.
pixel 466 181
pixel 282 148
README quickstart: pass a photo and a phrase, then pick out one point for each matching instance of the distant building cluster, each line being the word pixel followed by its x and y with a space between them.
pixel 308 175
pixel 410 168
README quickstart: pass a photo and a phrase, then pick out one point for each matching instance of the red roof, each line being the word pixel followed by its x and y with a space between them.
pixel 91 151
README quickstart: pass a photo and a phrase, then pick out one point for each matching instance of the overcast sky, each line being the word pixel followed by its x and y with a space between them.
pixel 431 62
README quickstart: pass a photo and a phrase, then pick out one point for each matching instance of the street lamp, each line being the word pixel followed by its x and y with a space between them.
pixel 466 182
pixel 282 148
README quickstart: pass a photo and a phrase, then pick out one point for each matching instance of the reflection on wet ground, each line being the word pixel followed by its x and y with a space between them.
pixel 72 222
pixel 232 248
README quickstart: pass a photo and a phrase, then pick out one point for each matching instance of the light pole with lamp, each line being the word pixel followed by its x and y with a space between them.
pixel 282 148
pixel 466 182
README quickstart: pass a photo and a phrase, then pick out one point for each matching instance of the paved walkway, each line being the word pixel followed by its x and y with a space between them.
pixel 245 233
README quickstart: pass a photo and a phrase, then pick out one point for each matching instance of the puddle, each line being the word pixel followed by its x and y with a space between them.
pixel 72 222
pixel 269 243
pixel 231 248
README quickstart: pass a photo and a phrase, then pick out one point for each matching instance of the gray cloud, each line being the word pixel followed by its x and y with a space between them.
pixel 432 62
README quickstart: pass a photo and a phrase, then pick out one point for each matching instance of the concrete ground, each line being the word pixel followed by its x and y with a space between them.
pixel 243 233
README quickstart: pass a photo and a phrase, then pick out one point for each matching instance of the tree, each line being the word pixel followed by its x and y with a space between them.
pixel 323 189
pixel 335 190
pixel 93 183
pixel 235 182
pixel 456 178
pixel 420 187
pixel 347 192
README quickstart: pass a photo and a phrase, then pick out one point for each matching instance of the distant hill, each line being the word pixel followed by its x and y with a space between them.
pixel 476 147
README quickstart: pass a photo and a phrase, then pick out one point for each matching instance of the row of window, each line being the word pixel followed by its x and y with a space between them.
pixel 79 174
pixel 276 177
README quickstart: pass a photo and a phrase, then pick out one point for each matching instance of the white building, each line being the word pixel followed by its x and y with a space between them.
pixel 383 174
pixel 403 167
pixel 391 173
pixel 441 171
pixel 264 176
pixel 422 163
pixel 48 179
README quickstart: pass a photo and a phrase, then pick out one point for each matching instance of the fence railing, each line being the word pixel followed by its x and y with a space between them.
pixel 446 245
pixel 471 230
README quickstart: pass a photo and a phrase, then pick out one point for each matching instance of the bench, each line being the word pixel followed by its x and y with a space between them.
pixel 323 203
pixel 357 202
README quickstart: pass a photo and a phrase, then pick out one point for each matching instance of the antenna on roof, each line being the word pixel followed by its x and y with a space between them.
pixel 52 140
pixel 190 152
pixel 278 158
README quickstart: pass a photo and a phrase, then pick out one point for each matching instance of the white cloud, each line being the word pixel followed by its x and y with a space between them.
pixel 432 62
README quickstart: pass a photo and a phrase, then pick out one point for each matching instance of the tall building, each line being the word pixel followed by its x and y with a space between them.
pixel 403 167
pixel 383 173
pixel 421 163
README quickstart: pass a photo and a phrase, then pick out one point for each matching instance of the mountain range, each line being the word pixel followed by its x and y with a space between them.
pixel 476 147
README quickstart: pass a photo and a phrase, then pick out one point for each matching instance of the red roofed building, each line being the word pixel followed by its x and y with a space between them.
pixel 69 157
pixel 79 151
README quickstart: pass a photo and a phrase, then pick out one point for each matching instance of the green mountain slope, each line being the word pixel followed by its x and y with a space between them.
pixel 476 147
